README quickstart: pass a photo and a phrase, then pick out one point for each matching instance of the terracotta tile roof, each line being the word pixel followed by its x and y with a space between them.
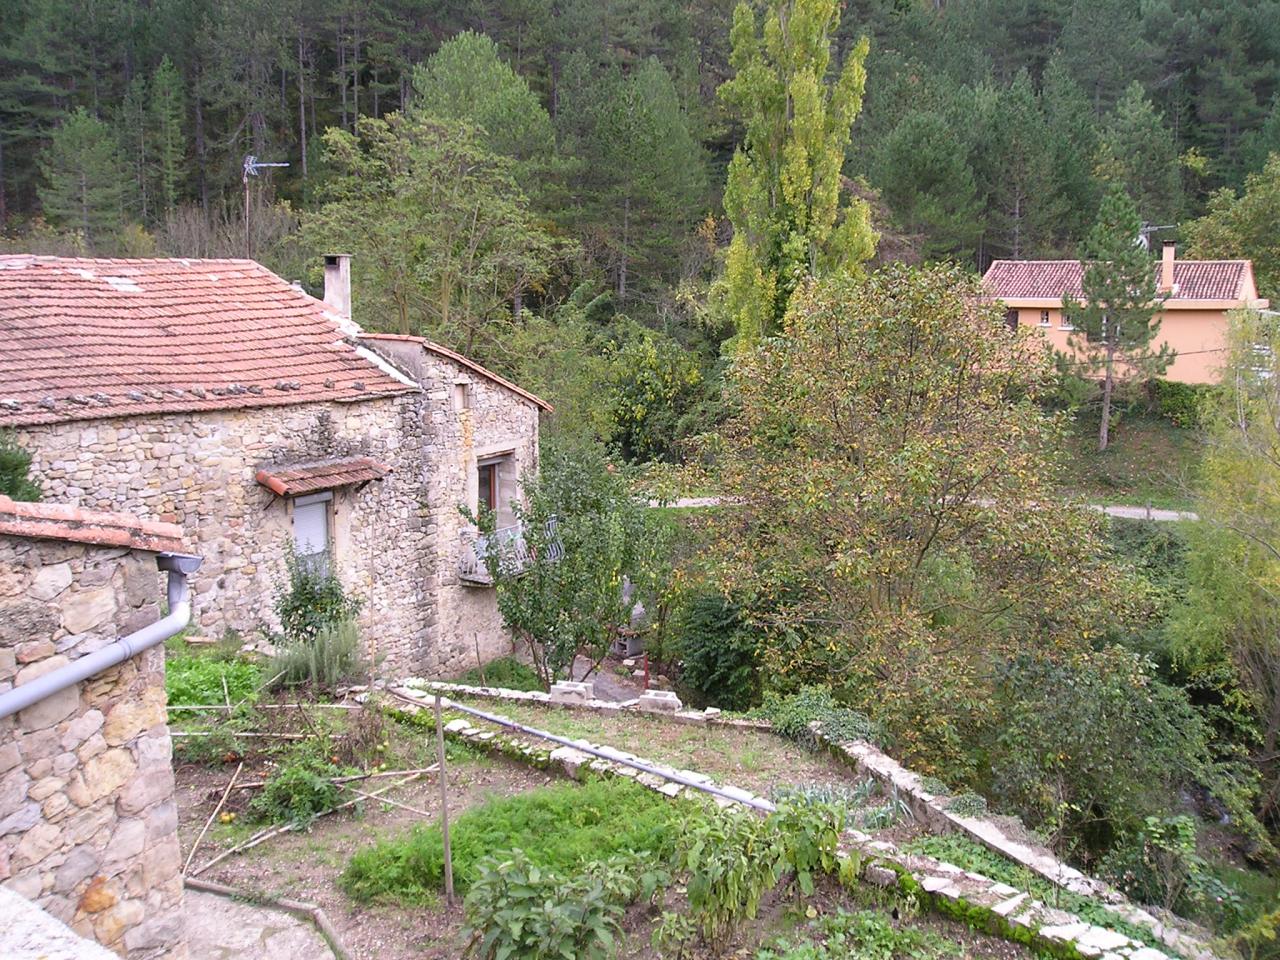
pixel 84 339
pixel 463 361
pixel 1050 279
pixel 50 521
pixel 292 481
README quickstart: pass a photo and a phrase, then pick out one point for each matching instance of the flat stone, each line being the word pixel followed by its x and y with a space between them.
pixel 1147 953
pixel 222 927
pixel 1102 939
pixel 27 931
pixel 54 708
pixel 1063 933
pixel 1009 906
pixel 50 581
pixel 85 609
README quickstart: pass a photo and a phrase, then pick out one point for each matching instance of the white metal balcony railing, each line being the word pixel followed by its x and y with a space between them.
pixel 510 546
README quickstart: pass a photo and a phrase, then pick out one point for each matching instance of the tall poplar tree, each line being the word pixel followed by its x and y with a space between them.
pixel 783 189
pixel 1116 323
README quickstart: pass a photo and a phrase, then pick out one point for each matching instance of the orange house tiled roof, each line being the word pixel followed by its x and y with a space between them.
pixel 297 479
pixel 1051 279
pixel 85 339
pixel 49 521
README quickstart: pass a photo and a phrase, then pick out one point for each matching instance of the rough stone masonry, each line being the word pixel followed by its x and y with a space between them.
pixel 88 824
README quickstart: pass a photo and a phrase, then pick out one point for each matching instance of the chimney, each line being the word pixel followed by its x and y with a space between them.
pixel 337 283
pixel 1166 268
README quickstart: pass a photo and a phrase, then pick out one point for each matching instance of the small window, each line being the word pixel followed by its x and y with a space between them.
pixel 488 498
pixel 1011 319
pixel 1065 323
pixel 311 524
pixel 1044 318
pixel 461 395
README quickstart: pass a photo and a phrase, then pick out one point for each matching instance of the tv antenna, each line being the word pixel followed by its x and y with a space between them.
pixel 252 167
pixel 1147 229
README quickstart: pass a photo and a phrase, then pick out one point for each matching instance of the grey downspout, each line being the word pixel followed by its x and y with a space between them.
pixel 179 566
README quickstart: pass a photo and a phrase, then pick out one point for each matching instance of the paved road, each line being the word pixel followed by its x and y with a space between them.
pixel 1128 513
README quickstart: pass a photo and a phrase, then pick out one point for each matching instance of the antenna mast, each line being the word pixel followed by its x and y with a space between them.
pixel 252 167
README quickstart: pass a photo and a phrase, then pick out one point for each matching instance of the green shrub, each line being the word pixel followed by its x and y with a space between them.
pixel 298 791
pixel 197 680
pixel 558 828
pixel 792 714
pixel 506 672
pixel 516 909
pixel 1180 403
pixel 15 465
pixel 327 660
pixel 312 600
pixel 719 654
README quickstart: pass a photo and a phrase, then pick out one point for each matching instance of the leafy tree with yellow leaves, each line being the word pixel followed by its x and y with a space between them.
pixel 783 193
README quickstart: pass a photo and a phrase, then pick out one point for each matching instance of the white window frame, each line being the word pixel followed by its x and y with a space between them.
pixel 1044 319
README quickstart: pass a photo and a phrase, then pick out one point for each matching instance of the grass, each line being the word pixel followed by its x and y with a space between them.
pixel 505 672
pixel 193 679
pixel 557 827
pixel 752 759
pixel 1149 462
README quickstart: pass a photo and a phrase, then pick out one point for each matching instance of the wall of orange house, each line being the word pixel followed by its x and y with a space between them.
pixel 1197 335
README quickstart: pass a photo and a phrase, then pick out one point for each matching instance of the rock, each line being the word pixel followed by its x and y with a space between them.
pixel 659 701
pixel 98 897
pixel 128 718
pixel 34 650
pixel 107 773
pixel 85 609
pixel 79 866
pixel 50 581
pixel 36 844
pixel 146 789
pixel 1102 939
pixel 26 620
pixel 82 728
pixel 21 820
pixel 54 708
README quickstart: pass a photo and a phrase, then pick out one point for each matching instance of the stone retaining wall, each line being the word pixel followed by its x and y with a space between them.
pixel 88 823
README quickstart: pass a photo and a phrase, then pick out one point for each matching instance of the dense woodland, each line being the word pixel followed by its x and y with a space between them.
pixel 988 129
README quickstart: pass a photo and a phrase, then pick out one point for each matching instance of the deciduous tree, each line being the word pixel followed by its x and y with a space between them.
pixel 783 193
pixel 1244 225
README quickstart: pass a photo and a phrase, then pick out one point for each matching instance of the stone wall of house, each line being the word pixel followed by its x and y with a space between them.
pixel 397 541
pixel 88 824
pixel 491 421
pixel 199 470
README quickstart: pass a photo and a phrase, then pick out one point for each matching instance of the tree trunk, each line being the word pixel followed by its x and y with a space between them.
pixel 302 107
pixel 202 180
pixel 622 263
pixel 1107 382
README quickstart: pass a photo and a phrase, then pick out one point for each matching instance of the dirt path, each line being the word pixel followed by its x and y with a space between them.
pixel 609 685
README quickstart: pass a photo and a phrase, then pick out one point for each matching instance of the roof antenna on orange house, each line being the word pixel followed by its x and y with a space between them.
pixel 252 168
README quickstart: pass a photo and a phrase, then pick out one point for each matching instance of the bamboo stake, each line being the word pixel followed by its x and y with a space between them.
pixel 265 706
pixel 264 835
pixel 225 793
pixel 444 807
pixel 388 800
pixel 254 784
pixel 260 736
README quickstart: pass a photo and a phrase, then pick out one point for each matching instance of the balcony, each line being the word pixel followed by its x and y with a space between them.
pixel 507 543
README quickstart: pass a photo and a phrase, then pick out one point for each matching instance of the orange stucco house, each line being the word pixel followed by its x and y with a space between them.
pixel 1193 320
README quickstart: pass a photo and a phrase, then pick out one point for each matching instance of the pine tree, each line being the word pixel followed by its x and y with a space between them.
pixel 135 144
pixel 168 148
pixel 783 189
pixel 1138 153
pixel 1116 322
pixel 83 183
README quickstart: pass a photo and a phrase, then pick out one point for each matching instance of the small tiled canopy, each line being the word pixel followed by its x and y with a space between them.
pixel 300 479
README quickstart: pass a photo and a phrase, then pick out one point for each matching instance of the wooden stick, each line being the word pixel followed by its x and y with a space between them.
pixel 444 808
pixel 264 835
pixel 225 793
pixel 261 736
pixel 388 800
pixel 254 784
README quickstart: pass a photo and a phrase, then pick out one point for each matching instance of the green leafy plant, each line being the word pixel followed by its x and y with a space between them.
pixel 865 935
pixel 516 909
pixel 312 600
pixel 327 659
pixel 810 835
pixel 792 714
pixel 968 805
pixel 559 828
pixel 299 790
pixel 731 858
pixel 197 680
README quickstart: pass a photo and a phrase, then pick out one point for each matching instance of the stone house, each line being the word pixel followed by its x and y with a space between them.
pixel 215 395
pixel 88 824
pixel 1193 319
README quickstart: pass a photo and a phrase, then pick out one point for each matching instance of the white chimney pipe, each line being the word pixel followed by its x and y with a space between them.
pixel 337 283
pixel 1166 267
